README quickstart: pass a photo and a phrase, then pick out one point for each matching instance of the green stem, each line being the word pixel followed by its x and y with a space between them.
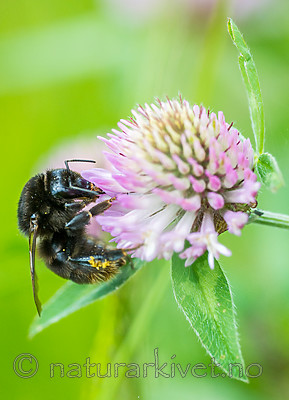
pixel 135 335
pixel 269 218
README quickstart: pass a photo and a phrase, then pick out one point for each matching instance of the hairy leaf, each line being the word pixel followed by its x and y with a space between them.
pixel 205 297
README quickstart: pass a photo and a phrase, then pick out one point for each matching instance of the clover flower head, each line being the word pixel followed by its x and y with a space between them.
pixel 181 176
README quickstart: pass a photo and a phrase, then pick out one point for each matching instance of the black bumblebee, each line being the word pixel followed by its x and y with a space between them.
pixel 51 208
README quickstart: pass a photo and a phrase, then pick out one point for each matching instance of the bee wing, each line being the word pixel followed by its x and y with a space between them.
pixel 32 249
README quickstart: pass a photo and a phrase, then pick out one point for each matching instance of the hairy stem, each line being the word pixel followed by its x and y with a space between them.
pixel 269 218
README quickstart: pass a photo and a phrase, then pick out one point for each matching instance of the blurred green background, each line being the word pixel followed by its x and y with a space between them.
pixel 69 70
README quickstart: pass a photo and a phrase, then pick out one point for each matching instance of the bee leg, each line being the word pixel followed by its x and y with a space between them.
pixel 96 266
pixel 82 219
pixel 101 207
pixel 77 206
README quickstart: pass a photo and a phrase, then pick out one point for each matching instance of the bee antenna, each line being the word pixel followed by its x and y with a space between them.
pixel 77 160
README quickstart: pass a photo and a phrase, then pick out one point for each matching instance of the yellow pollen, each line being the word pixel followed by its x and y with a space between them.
pixel 94 263
pixel 98 264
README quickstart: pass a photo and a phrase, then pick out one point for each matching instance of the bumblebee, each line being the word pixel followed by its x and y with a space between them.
pixel 50 209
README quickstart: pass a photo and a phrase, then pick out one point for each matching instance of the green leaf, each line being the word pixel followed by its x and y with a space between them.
pixel 269 172
pixel 251 80
pixel 71 297
pixel 205 297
